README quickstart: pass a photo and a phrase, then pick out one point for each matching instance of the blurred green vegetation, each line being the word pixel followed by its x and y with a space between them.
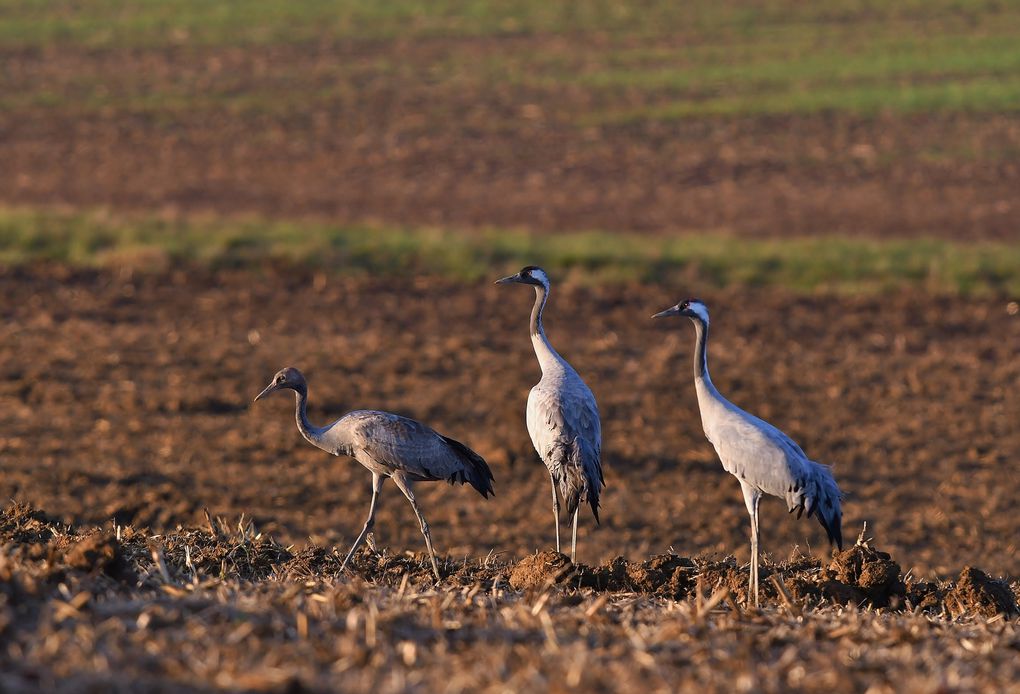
pixel 634 62
pixel 681 59
pixel 714 260
pixel 153 22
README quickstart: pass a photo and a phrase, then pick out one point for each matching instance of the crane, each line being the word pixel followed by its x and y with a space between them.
pixel 391 446
pixel 762 458
pixel 562 418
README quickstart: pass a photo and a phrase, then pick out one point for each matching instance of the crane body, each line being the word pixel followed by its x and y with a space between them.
pixel 562 418
pixel 762 458
pixel 389 446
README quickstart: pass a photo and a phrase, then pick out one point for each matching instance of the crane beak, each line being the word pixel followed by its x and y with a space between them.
pixel 510 280
pixel 268 389
pixel 673 311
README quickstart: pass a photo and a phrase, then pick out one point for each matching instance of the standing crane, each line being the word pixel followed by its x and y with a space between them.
pixel 762 458
pixel 563 418
pixel 391 446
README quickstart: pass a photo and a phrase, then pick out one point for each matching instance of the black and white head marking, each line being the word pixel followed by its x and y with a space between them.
pixel 532 274
pixel 694 308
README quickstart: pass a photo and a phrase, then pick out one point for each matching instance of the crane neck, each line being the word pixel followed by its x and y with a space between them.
pixel 312 433
pixel 547 357
pixel 701 376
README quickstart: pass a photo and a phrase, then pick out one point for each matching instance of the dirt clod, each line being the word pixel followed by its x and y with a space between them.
pixel 976 592
pixel 97 552
pixel 666 574
pixel 540 571
pixel 868 572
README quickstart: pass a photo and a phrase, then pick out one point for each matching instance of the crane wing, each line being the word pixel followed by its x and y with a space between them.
pixel 392 443
pixel 559 416
pixel 563 420
pixel 761 455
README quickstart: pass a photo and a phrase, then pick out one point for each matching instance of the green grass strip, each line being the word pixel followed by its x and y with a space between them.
pixel 148 23
pixel 710 260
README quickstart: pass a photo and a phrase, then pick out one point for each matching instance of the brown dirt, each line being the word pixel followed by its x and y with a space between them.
pixel 228 589
pixel 541 570
pixel 129 400
pixel 872 573
pixel 324 132
pixel 190 555
pixel 125 407
pixel 976 593
pixel 97 552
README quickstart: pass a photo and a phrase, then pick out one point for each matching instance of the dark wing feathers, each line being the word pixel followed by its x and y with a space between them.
pixel 761 455
pixel 475 470
pixel 388 443
pixel 563 421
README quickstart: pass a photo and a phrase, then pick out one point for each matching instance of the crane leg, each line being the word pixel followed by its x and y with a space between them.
pixel 573 539
pixel 377 481
pixel 556 511
pixel 757 550
pixel 405 487
pixel 752 497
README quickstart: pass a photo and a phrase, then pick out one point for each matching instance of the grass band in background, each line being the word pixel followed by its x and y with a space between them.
pixel 712 259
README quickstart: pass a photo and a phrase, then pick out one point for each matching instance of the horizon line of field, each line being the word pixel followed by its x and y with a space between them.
pixel 715 258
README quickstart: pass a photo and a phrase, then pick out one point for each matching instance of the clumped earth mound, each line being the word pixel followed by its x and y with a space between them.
pixel 40 552
pixel 864 572
pixel 860 575
pixel 541 570
pixel 99 551
pixel 231 587
pixel 975 592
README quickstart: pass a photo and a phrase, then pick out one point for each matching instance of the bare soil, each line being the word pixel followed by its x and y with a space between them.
pixel 129 400
pixel 386 133
pixel 126 410
pixel 224 607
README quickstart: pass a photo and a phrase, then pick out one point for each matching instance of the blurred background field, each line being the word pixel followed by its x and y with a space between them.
pixel 713 261
pixel 727 120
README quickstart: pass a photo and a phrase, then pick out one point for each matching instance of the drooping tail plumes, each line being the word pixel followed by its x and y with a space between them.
pixel 475 472
pixel 581 479
pixel 824 499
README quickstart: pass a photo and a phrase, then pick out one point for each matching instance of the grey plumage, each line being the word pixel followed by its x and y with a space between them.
pixel 562 418
pixel 390 446
pixel 762 458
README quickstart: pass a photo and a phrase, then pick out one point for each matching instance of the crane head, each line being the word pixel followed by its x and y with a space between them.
pixel 695 309
pixel 285 378
pixel 532 275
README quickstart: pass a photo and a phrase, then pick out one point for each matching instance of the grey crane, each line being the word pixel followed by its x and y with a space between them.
pixel 391 446
pixel 562 418
pixel 762 458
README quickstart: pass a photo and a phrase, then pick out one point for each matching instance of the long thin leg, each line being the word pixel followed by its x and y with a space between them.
pixel 757 550
pixel 573 539
pixel 405 487
pixel 751 498
pixel 556 511
pixel 377 481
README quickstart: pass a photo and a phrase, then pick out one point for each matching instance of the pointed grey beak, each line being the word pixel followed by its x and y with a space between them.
pixel 673 311
pixel 268 389
pixel 509 280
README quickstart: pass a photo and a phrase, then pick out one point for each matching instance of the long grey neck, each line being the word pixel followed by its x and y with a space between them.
pixel 541 295
pixel 701 376
pixel 548 359
pixel 312 433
